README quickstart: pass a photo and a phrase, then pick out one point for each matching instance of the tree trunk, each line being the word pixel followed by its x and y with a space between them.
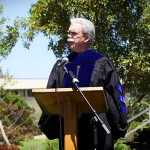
pixel 4 135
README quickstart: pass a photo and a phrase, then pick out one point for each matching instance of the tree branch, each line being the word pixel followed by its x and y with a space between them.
pixel 4 134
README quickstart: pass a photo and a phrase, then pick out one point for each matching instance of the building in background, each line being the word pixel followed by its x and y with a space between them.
pixel 23 87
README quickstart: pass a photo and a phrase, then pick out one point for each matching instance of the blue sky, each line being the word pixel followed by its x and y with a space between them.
pixel 36 62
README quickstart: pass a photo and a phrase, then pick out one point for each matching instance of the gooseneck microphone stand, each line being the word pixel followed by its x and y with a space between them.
pixel 95 118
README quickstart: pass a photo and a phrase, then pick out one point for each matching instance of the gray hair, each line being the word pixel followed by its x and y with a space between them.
pixel 88 27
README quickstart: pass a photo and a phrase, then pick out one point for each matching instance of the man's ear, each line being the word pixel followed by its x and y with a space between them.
pixel 87 38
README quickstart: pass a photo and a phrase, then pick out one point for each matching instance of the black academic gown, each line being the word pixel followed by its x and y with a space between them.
pixel 93 70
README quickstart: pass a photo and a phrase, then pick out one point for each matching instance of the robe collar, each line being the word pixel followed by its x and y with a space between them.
pixel 86 57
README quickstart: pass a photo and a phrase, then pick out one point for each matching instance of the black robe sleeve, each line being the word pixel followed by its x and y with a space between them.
pixel 117 113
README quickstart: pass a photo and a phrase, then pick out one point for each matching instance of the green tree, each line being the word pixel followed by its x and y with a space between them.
pixel 8 35
pixel 16 116
pixel 122 33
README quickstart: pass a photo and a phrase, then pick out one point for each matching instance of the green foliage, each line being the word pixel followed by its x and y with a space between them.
pixel 137 107
pixel 2 75
pixel 8 35
pixel 133 125
pixel 16 117
pixel 114 20
pixel 122 33
pixel 134 135
pixel 120 145
pixel 39 144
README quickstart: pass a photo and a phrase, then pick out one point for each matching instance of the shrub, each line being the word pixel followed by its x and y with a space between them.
pixel 120 145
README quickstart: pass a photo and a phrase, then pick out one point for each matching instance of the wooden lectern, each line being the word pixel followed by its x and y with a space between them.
pixel 71 105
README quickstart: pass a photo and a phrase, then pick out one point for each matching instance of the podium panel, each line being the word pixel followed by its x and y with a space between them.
pixel 71 104
pixel 48 99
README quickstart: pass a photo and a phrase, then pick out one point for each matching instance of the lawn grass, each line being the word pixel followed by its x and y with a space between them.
pixel 39 144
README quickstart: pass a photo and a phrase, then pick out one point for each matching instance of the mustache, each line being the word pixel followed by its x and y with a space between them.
pixel 70 40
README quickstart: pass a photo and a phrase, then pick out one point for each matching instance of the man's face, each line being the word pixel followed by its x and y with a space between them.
pixel 76 39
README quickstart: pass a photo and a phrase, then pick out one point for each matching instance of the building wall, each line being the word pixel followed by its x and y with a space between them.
pixel 23 87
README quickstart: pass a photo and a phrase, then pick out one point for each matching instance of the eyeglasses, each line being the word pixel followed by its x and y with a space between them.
pixel 72 33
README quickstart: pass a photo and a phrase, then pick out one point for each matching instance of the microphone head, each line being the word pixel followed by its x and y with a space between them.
pixel 63 61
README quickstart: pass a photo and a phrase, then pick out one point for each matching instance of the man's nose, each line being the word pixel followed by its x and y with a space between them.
pixel 69 35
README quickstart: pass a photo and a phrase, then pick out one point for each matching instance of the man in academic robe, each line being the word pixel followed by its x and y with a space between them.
pixel 92 69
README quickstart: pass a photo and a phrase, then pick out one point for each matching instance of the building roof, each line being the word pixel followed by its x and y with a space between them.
pixel 24 83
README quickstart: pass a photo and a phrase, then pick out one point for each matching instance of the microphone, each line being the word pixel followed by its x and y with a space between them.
pixel 63 61
pixel 74 79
